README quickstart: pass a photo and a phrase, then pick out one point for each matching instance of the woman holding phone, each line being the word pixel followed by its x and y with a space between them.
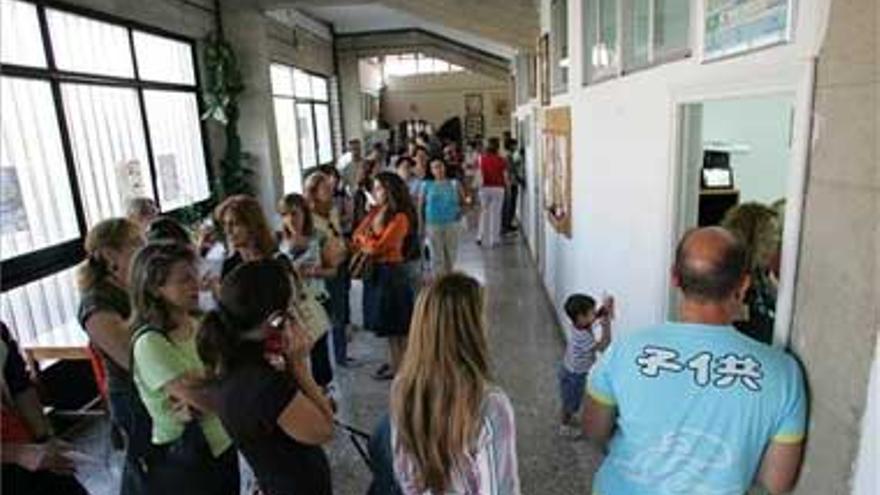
pixel 277 416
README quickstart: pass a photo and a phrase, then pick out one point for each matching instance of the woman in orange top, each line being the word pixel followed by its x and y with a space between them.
pixel 385 234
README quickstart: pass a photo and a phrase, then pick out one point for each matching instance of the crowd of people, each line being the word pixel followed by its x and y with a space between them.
pixel 208 356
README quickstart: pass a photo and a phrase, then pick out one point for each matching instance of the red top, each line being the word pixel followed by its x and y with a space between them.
pixel 492 167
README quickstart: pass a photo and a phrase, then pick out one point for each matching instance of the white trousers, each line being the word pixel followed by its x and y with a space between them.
pixel 491 204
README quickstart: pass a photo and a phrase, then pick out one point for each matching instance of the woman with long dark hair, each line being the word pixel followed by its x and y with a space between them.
pixel 277 415
pixel 385 234
pixel 191 451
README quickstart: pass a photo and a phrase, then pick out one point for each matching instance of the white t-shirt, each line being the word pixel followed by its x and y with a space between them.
pixel 580 351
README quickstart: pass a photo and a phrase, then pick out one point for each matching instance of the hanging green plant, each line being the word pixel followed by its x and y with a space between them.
pixel 223 85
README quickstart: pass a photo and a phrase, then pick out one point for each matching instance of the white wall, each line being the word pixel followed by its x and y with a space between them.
pixel 438 97
pixel 623 153
pixel 761 125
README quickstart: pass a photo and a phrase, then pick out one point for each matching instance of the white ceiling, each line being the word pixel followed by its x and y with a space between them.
pixel 366 17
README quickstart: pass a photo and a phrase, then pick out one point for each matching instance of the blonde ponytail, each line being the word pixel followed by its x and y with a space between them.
pixel 113 233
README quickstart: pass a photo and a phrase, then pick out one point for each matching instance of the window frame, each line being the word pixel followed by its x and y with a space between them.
pixel 559 39
pixel 624 35
pixel 37 264
pixel 312 102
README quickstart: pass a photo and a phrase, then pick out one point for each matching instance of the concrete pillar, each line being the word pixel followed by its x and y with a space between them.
pixel 247 30
pixel 837 308
pixel 350 92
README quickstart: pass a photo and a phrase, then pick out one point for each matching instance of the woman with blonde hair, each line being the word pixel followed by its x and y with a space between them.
pixel 319 193
pixel 104 310
pixel 452 429
pixel 758 227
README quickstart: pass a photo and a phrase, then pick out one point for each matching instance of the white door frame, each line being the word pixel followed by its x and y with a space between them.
pixel 801 94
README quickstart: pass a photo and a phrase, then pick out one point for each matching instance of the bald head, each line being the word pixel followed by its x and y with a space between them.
pixel 710 264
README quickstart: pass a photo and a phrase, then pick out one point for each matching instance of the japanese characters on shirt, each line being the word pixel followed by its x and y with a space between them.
pixel 720 371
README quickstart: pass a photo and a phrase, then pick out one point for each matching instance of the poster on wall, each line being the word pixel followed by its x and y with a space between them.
pixel 732 27
pixel 474 126
pixel 500 110
pixel 557 168
pixel 473 104
pixel 13 217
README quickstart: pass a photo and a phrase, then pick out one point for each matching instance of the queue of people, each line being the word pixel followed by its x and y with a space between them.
pixel 694 406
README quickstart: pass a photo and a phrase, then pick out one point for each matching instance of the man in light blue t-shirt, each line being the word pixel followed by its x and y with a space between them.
pixel 695 407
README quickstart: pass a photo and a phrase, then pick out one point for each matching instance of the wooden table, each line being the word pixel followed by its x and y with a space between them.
pixel 68 341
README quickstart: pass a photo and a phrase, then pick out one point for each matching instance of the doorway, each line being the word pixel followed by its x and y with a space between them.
pixel 735 170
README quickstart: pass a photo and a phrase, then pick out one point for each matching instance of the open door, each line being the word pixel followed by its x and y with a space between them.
pixel 735 170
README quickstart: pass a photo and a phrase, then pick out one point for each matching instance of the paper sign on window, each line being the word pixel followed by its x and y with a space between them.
pixel 13 217
pixel 130 180
pixel 169 178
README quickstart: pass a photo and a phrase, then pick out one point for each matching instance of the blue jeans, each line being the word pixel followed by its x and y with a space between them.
pixel 571 389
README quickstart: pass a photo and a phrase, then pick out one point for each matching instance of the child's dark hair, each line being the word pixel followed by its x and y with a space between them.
pixel 579 304
pixel 249 295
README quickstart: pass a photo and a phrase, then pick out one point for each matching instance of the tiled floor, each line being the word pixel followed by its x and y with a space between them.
pixel 526 348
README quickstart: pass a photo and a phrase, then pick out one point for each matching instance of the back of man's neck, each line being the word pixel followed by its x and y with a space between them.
pixel 705 313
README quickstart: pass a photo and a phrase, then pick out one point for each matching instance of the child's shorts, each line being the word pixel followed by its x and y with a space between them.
pixel 571 389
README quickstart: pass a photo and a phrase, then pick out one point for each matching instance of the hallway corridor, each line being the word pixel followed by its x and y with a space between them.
pixel 526 349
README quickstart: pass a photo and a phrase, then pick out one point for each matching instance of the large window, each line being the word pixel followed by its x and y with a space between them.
pixel 302 122
pixel 94 112
pixel 559 45
pixel 622 36
pixel 411 64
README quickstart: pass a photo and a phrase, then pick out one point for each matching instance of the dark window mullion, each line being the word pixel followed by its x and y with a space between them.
pixel 315 134
pixel 61 119
pixel 154 179
pixel 200 104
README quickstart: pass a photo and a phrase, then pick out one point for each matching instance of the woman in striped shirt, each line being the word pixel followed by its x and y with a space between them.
pixel 452 430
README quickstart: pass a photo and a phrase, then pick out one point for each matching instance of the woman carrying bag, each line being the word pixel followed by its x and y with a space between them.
pixel 383 236
pixel 304 246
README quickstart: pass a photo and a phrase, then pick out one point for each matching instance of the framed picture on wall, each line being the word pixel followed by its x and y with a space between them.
pixel 556 151
pixel 544 67
pixel 500 110
pixel 473 104
pixel 733 28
